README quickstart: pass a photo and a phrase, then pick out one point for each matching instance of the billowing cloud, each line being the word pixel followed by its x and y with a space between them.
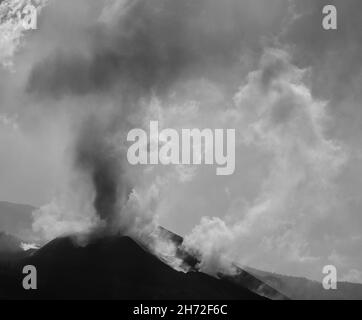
pixel 279 116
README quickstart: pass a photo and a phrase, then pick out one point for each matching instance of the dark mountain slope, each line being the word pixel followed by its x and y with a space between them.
pixel 114 268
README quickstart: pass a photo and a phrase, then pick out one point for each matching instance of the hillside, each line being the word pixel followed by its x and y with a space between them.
pixel 114 268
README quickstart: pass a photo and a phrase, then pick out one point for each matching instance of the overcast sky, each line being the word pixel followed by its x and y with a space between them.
pixel 265 67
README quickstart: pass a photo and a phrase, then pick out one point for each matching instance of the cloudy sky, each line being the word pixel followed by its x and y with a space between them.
pixel 72 89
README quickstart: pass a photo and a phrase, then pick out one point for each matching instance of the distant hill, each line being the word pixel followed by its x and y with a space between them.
pixel 298 288
pixel 16 219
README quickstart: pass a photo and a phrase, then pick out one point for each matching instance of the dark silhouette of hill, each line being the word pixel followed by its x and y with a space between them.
pixel 113 268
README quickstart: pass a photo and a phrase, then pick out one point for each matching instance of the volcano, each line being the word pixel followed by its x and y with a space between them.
pixel 114 267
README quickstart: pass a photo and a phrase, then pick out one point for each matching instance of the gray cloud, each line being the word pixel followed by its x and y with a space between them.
pixel 154 44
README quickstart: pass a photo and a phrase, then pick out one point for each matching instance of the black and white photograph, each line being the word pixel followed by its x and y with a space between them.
pixel 185 156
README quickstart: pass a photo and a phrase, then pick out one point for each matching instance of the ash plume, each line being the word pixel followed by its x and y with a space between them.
pixel 98 158
pixel 122 54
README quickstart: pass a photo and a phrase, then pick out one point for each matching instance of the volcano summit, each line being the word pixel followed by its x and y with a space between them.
pixel 112 268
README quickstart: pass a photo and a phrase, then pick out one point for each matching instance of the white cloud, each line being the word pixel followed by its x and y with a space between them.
pixel 279 116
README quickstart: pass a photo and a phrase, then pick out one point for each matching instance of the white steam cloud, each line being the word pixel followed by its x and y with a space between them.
pixel 279 116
